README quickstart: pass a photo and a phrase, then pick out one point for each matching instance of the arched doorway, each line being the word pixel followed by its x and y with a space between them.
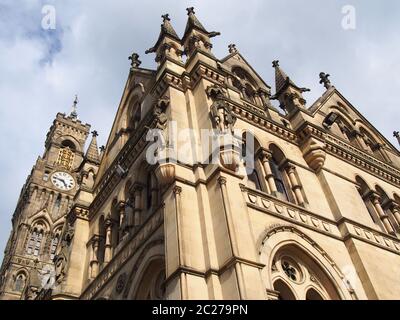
pixel 295 259
pixel 151 285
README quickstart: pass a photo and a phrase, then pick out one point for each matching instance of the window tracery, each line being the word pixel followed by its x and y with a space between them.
pixel 295 275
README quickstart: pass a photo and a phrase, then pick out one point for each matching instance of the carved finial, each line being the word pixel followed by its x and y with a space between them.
pixel 102 148
pixel 135 62
pixel 396 134
pixel 232 48
pixel 190 11
pixel 74 112
pixel 275 63
pixel 166 17
pixel 325 80
pixel 95 133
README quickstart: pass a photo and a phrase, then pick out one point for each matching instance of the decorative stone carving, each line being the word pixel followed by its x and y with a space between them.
pixel 165 173
pixel 232 48
pixel 135 62
pixel 121 283
pixel 324 80
pixel 314 153
pixel 61 259
pixel 161 120
pixel 221 112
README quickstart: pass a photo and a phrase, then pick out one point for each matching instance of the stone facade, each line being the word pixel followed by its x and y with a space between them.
pixel 316 216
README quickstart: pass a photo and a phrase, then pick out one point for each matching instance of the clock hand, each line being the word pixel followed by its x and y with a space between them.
pixel 62 180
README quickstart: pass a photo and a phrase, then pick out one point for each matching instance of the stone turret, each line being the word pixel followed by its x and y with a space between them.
pixel 288 93
pixel 196 37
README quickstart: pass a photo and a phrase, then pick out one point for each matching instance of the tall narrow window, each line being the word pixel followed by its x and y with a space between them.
pixel 20 282
pixel 53 248
pixel 57 203
pixel 38 244
pixel 31 242
pixel 149 191
pixel 365 194
pixel 279 182
pixel 254 181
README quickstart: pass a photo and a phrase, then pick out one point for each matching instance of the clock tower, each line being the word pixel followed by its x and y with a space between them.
pixel 45 200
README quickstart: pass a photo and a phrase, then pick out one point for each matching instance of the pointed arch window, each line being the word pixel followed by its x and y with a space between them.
pixel 254 180
pixel 279 180
pixel 35 241
pixel 57 203
pixel 53 247
pixel 297 275
pixel 365 193
pixel 20 282
pixel 31 242
pixel 243 82
pixel 38 243
pixel 250 157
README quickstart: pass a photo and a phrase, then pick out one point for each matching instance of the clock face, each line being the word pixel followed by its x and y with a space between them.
pixel 63 180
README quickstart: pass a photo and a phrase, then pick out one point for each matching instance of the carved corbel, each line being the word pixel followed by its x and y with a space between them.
pixel 314 154
pixel 165 173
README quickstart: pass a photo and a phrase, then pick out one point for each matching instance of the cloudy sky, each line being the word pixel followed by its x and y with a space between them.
pixel 41 70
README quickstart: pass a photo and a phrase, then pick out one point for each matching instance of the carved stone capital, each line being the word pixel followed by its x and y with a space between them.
pixel 374 197
pixel 264 155
pixel 222 181
pixel 177 190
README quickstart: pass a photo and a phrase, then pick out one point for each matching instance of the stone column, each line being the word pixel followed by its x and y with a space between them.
pixel 296 187
pixel 122 219
pixel 361 141
pixel 375 198
pixel 395 208
pixel 94 262
pixel 108 241
pixel 265 158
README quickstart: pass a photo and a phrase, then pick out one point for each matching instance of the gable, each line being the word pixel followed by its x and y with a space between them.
pixel 333 101
pixel 236 60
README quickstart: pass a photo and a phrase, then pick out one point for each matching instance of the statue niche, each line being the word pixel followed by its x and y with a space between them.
pixel 220 111
pixel 61 259
pixel 161 121
pixel 224 120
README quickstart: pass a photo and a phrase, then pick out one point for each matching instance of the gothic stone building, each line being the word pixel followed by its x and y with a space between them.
pixel 317 216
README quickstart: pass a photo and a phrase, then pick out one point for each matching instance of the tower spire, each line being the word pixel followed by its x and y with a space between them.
pixel 74 112
pixel 92 153
pixel 196 36
pixel 167 40
pixel 287 92
pixel 167 30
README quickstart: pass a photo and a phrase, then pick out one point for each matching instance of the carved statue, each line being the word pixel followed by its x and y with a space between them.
pixel 34 286
pixel 222 116
pixel 162 120
pixel 220 111
pixel 61 259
